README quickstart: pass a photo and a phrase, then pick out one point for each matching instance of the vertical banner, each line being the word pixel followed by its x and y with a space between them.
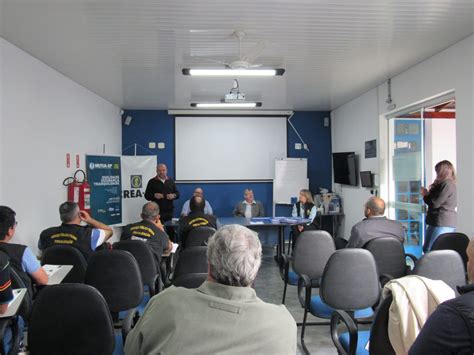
pixel 103 175
pixel 136 171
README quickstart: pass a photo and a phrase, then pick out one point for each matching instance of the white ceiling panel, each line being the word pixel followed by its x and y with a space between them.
pixel 131 52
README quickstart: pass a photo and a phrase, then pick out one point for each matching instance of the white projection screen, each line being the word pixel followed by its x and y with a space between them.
pixel 228 148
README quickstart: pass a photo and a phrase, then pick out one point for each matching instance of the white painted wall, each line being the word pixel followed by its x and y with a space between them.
pixel 43 116
pixel 357 120
pixel 440 139
pixel 352 125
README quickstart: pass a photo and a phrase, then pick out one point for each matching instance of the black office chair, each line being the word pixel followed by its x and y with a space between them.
pixel 193 280
pixel 349 284
pixel 379 341
pixel 390 258
pixel 311 253
pixel 116 274
pixel 146 262
pixel 66 255
pixel 10 324
pixel 198 237
pixel 453 241
pixel 190 261
pixel 70 319
pixel 445 265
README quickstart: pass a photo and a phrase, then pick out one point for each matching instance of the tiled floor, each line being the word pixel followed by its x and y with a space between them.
pixel 269 287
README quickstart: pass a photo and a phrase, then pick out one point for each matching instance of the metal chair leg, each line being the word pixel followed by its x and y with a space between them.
pixel 305 349
pixel 284 293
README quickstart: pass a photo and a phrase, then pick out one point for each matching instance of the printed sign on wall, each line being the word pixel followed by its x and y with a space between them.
pixel 104 177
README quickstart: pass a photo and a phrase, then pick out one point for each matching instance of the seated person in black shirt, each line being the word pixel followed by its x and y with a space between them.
pixel 6 293
pixel 195 218
pixel 450 328
pixel 85 238
pixel 149 230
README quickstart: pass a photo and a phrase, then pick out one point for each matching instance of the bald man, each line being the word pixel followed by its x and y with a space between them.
pixel 198 192
pixel 162 190
pixel 450 328
pixel 375 225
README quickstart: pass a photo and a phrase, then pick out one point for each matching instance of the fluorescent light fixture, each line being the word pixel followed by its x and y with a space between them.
pixel 233 72
pixel 227 105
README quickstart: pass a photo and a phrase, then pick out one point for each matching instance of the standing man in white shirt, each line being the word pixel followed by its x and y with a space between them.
pixel 249 207
pixel 198 192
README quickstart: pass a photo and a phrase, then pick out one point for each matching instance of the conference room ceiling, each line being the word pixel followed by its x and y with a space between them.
pixel 131 52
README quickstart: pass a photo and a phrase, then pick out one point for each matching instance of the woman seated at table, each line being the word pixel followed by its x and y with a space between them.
pixel 304 208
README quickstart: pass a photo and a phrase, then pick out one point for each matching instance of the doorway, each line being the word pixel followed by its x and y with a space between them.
pixel 418 138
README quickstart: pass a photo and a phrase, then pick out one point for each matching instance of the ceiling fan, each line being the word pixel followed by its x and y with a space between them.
pixel 243 65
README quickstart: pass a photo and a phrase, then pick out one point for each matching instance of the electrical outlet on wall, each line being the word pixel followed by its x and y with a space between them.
pixel 298 146
pixel 161 145
pixel 151 145
pixel 305 146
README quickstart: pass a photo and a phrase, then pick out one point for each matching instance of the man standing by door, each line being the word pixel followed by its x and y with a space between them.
pixel 162 190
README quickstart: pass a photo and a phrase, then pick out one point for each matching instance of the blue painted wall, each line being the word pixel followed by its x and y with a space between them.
pixel 157 126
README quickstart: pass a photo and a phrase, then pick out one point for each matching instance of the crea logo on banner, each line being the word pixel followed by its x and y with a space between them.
pixel 118 186
pixel 136 172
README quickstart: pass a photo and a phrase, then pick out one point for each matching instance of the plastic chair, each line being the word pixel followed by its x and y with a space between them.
pixel 70 319
pixel 116 275
pixel 66 255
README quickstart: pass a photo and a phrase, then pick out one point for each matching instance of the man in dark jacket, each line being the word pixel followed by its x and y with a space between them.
pixel 86 238
pixel 162 190
pixel 196 218
pixel 450 328
pixel 150 231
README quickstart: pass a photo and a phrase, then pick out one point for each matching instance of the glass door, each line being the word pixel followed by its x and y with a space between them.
pixel 418 138
pixel 407 176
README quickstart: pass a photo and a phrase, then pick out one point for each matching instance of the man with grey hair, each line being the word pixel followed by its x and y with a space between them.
pixel 249 207
pixel 223 315
pixel 149 230
pixel 87 238
pixel 374 225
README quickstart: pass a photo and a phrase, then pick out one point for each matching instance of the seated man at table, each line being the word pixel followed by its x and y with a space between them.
pixel 224 315
pixel 374 225
pixel 22 259
pixel 197 192
pixel 196 218
pixel 249 207
pixel 84 238
pixel 150 231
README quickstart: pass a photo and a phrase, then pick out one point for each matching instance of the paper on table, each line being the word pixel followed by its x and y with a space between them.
pixel 51 269
pixel 175 246
pixel 257 222
pixel 16 293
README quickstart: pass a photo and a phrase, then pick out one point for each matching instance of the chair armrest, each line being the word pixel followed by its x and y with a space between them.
pixel 127 323
pixel 305 281
pixel 414 259
pixel 384 278
pixel 351 327
pixel 285 267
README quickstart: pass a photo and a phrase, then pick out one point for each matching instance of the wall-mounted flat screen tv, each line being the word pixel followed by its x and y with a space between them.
pixel 345 168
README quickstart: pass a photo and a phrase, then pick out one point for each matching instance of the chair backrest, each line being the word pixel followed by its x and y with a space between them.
pixel 199 236
pixel 144 257
pixel 115 273
pixel 66 255
pixel 350 280
pixel 193 280
pixel 453 241
pixel 312 252
pixel 379 340
pixel 389 256
pixel 70 319
pixel 190 261
pixel 445 265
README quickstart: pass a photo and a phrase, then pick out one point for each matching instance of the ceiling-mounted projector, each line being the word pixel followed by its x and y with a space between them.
pixel 234 95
